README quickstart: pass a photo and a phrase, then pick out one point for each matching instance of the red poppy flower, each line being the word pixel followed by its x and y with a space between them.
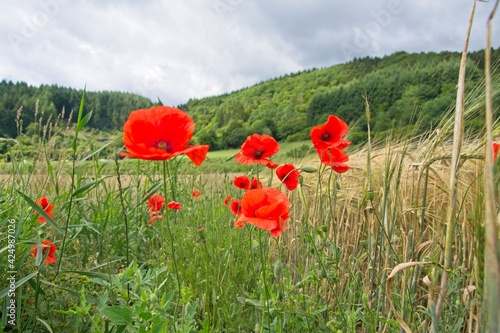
pixel 256 184
pixel 330 134
pixel 242 182
pixel 334 158
pixel 257 149
pixel 155 203
pixel 47 208
pixel 289 175
pixel 265 208
pixel 161 133
pixel 227 199
pixel 496 147
pixel 196 194
pixel 46 246
pixel 153 218
pixel 173 205
pixel 236 207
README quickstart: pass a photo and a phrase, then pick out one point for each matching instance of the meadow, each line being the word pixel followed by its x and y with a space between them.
pixel 362 252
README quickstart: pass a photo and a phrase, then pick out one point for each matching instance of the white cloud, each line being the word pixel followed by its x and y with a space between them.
pixel 176 50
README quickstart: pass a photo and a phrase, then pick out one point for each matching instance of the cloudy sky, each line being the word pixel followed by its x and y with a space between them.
pixel 181 49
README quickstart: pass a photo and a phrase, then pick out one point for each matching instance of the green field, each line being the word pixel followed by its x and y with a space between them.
pixel 400 241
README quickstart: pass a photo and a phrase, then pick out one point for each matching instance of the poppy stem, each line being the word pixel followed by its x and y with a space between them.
pixel 125 218
pixel 172 176
pixel 264 273
pixel 170 236
pixel 208 308
pixel 37 290
pixel 271 179
pixel 257 173
pixel 250 243
pixel 122 202
pixel 309 233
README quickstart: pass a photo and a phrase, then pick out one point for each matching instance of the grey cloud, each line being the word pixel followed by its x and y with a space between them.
pixel 176 50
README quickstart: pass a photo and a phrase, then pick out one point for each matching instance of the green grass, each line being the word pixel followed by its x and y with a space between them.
pixel 330 271
pixel 286 149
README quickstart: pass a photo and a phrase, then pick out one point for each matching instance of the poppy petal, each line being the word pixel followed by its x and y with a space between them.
pixel 257 149
pixel 197 154
pixel 266 224
pixel 265 208
pixel 334 158
pixel 273 211
pixel 330 134
pixel 161 133
pixel 289 175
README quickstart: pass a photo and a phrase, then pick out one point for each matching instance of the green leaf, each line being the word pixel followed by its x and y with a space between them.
pixel 79 120
pixel 146 315
pixel 84 121
pixel 97 275
pixel 87 186
pixel 254 302
pixel 80 110
pixel 103 301
pixel 121 329
pixel 159 325
pixel 44 323
pixel 33 286
pixel 89 298
pixel 118 315
pixel 166 298
pixel 190 308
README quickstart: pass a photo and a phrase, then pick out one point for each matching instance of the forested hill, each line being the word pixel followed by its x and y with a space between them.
pixel 285 107
pixel 110 108
pixel 397 86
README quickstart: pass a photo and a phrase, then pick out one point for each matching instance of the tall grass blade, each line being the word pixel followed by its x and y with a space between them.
pixel 492 267
pixel 18 284
pixel 455 165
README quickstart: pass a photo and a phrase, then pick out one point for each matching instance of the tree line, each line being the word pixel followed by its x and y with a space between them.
pixel 399 87
pixel 26 105
pixel 402 89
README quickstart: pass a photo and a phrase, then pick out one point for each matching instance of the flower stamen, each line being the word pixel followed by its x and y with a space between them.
pixel 167 146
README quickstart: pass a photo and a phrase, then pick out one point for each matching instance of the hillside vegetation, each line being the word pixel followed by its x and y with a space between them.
pixel 402 89
pixel 29 105
pixel 405 239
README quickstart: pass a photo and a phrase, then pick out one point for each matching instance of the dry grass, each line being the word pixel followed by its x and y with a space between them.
pixel 405 222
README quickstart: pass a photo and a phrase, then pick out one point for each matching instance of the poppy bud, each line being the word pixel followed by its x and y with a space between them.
pixel 201 232
pixel 308 169
pixel 278 268
pixel 370 195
